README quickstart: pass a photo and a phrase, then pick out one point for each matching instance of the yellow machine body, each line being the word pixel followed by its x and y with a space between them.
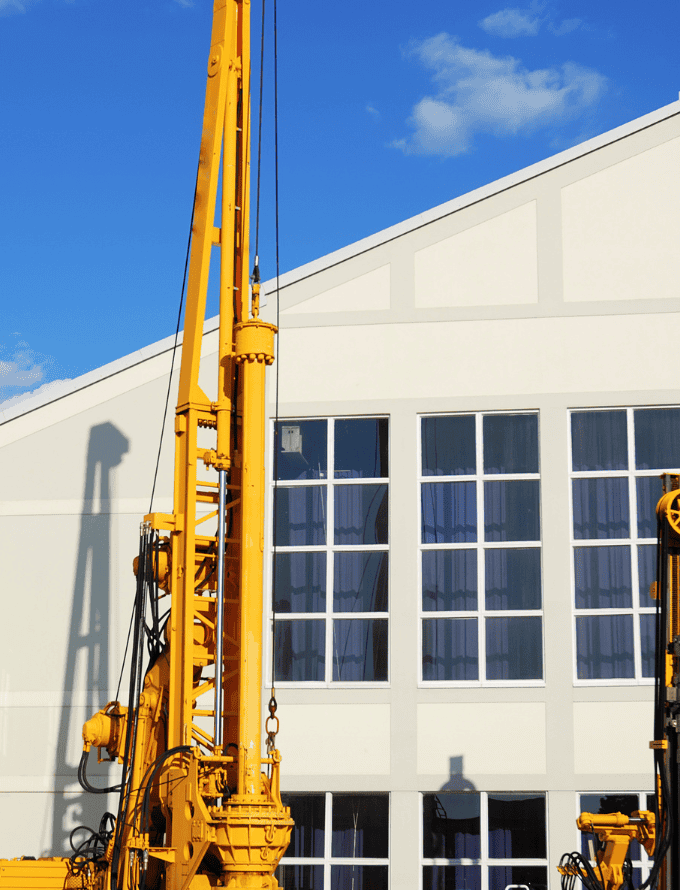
pixel 204 806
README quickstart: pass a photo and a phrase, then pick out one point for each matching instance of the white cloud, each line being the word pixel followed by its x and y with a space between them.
pixel 565 27
pixel 21 368
pixel 7 7
pixel 372 111
pixel 512 23
pixel 477 92
pixel 41 390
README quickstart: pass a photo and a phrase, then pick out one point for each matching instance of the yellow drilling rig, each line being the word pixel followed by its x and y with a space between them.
pixel 199 806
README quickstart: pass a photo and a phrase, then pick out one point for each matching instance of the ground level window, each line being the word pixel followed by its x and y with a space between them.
pixel 340 842
pixel 484 840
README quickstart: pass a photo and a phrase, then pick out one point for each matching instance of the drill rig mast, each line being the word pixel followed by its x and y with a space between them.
pixel 196 809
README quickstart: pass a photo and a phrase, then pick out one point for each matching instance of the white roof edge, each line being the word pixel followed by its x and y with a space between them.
pixel 25 406
pixel 485 191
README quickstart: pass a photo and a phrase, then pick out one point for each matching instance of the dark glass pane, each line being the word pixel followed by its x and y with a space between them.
pixel 517 826
pixel 300 877
pixel 360 582
pixel 514 649
pixel 601 508
pixel 309 814
pixel 452 877
pixel 361 825
pixel 299 516
pixel 657 439
pixel 361 448
pixel 359 877
pixel 450 649
pixel 361 514
pixel 299 650
pixel 301 449
pixel 649 490
pixel 451 826
pixel 603 578
pixel 604 647
pixel 449 580
pixel 300 582
pixel 449 445
pixel 449 512
pixel 600 804
pixel 534 877
pixel 599 441
pixel 511 510
pixel 360 650
pixel 511 443
pixel 513 578
pixel 647 643
pixel 646 572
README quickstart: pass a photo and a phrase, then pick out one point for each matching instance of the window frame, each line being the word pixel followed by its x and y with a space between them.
pixel 328 860
pixel 328 616
pixel 633 542
pixel 481 613
pixel 484 861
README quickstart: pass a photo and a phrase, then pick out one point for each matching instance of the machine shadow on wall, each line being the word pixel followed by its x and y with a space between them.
pixel 86 676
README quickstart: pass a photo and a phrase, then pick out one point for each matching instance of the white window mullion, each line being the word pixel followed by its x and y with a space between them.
pixel 328 841
pixel 330 554
pixel 479 492
pixel 484 839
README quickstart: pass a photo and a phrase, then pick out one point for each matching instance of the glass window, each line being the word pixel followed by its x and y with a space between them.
pixel 340 842
pixel 617 458
pixel 617 802
pixel 331 551
pixel 480 549
pixel 472 840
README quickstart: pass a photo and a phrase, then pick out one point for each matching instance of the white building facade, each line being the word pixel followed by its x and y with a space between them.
pixel 474 409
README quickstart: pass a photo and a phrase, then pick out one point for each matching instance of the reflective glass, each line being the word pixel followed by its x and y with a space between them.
pixel 299 516
pixel 532 877
pixel 361 514
pixel 360 582
pixel 601 508
pixel 657 438
pixel 599 441
pixel 448 445
pixel 451 826
pixel 361 448
pixel 517 826
pixel 449 512
pixel 647 643
pixel 452 877
pixel 514 648
pixel 649 490
pixel 361 825
pixel 604 647
pixel 360 650
pixel 299 648
pixel 511 510
pixel 309 814
pixel 646 572
pixel 359 877
pixel 449 580
pixel 300 877
pixel 513 578
pixel 603 578
pixel 301 451
pixel 450 649
pixel 300 582
pixel 510 443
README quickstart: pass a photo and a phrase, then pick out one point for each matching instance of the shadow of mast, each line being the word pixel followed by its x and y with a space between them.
pixel 86 677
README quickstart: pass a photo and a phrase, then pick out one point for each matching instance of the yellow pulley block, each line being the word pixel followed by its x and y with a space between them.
pixel 669 509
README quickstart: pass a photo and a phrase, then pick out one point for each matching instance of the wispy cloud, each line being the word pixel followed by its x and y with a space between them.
pixel 514 21
pixel 372 111
pixel 8 7
pixel 21 368
pixel 477 92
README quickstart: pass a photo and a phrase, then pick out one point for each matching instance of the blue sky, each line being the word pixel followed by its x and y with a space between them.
pixel 385 110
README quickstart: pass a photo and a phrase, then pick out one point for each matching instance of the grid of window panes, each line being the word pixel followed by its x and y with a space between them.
pixel 484 841
pixel 481 599
pixel 617 458
pixel 340 842
pixel 331 561
pixel 626 802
